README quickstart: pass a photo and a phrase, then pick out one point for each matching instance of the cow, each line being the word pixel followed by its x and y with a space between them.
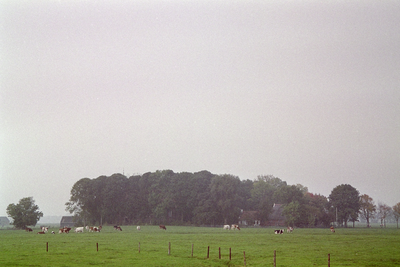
pixel 115 227
pixel 332 229
pixel 41 233
pixel 279 231
pixel 67 229
pixel 289 229
pixel 52 232
pixel 79 230
pixel 28 229
pixel 118 228
pixel 163 227
pixel 45 229
pixel 138 228
pixel 226 227
pixel 235 226
pixel 61 230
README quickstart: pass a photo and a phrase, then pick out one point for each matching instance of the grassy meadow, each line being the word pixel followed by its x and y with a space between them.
pixel 303 247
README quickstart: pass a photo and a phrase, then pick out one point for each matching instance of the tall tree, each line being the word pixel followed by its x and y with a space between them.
pixel 396 213
pixel 288 193
pixel 368 208
pixel 24 213
pixel 224 192
pixel 316 211
pixel 383 211
pixel 346 200
pixel 292 213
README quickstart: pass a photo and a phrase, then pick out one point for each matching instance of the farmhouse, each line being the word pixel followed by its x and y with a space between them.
pixel 4 221
pixel 67 221
pixel 249 217
pixel 276 218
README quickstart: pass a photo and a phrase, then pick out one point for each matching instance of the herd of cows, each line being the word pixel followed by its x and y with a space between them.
pixel 118 228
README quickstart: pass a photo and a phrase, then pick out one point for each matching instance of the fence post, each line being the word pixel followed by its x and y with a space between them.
pixel 219 252
pixel 97 246
pixel 274 258
pixel 208 252
pixel 229 254
pixel 244 257
pixel 329 260
pixel 192 249
pixel 47 246
pixel 169 248
pixel 139 247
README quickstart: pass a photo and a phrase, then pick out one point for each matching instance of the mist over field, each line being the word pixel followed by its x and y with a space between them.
pixel 305 91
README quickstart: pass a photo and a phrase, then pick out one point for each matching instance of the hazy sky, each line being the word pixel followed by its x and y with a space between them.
pixel 308 91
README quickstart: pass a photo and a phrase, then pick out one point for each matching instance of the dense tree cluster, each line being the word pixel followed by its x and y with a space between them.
pixel 200 198
pixel 203 198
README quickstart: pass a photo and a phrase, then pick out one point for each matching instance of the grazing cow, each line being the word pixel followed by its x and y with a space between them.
pixel 79 230
pixel 332 229
pixel 289 229
pixel 45 229
pixel 138 228
pixel 67 229
pixel 227 227
pixel 28 229
pixel 41 233
pixel 235 226
pixel 163 227
pixel 100 227
pixel 280 231
pixel 118 228
pixel 52 232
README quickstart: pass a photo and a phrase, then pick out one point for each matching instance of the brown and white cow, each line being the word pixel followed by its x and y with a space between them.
pixel 279 231
pixel 163 227
pixel 118 228
pixel 289 229
pixel 332 229
pixel 41 233
pixel 235 226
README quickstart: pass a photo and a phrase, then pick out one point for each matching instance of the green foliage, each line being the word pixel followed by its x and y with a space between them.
pixel 201 198
pixel 24 213
pixel 346 199
pixel 303 247
pixel 292 213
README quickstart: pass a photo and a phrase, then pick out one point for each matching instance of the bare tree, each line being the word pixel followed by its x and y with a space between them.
pixel 383 211
pixel 368 208
pixel 396 213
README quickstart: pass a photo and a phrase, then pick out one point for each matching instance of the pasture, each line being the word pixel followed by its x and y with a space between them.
pixel 303 247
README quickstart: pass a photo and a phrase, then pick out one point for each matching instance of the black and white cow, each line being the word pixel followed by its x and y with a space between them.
pixel 279 231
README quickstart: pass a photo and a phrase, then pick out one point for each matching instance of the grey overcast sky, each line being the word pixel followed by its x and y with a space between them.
pixel 308 91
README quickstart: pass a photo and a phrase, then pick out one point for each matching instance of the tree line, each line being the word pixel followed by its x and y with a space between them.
pixel 203 198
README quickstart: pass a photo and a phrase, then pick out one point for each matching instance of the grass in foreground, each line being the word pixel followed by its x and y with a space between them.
pixel 304 247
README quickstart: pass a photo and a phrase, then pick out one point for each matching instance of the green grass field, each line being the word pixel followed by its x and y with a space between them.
pixel 304 247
